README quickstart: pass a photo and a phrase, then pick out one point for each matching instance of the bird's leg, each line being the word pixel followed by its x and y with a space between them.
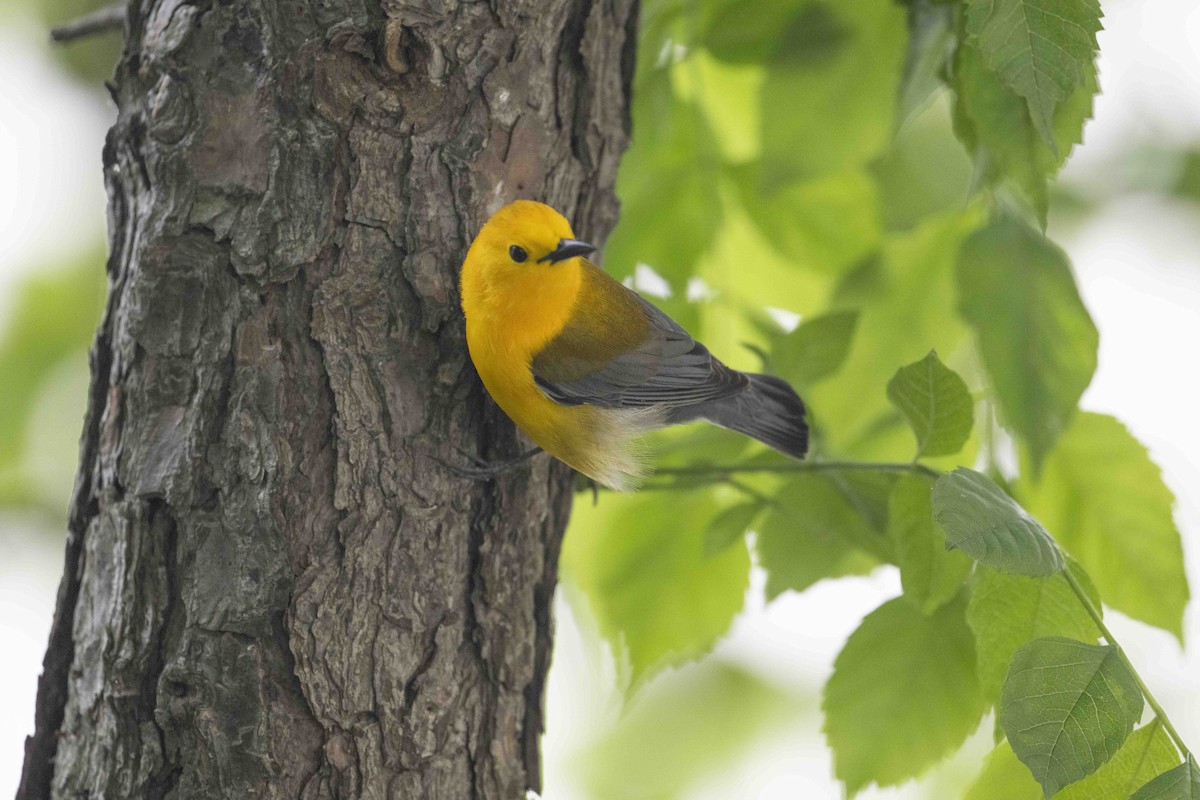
pixel 484 470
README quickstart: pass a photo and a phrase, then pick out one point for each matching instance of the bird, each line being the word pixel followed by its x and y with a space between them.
pixel 585 366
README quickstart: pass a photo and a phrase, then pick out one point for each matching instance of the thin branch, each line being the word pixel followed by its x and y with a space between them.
pixel 800 466
pixel 723 473
pixel 99 21
pixel 1094 613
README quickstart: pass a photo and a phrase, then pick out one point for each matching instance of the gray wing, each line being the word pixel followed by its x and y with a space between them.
pixel 666 367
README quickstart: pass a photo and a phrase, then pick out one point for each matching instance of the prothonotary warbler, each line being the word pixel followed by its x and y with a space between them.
pixel 585 366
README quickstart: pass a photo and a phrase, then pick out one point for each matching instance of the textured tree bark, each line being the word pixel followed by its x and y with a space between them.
pixel 274 587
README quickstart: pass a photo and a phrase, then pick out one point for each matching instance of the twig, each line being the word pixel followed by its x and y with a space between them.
pixel 1094 613
pixel 99 21
pixel 724 473
pixel 800 466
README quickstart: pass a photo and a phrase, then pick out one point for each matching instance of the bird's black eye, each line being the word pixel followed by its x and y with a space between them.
pixel 518 254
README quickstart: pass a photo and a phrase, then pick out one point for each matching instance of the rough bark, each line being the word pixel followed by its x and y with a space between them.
pixel 274 587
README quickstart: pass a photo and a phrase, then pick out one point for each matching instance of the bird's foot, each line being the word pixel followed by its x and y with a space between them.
pixel 484 470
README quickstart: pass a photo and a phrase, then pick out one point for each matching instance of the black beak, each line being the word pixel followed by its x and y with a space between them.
pixel 567 248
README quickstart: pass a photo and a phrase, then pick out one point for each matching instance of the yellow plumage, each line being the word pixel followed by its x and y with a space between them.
pixel 584 366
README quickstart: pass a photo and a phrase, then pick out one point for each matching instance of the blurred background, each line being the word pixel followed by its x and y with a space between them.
pixel 744 721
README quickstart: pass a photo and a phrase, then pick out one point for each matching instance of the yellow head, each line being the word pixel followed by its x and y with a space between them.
pixel 524 258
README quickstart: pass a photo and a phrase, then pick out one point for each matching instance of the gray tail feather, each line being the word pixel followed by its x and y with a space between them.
pixel 769 410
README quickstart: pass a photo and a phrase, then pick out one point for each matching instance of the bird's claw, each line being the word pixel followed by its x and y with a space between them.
pixel 484 470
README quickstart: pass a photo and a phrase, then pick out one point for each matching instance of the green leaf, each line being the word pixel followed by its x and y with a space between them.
pixel 1006 611
pixel 1036 338
pixel 1004 777
pixel 995 122
pixel 830 87
pixel 825 224
pixel 732 35
pixel 1042 49
pixel 1106 502
pixel 936 403
pixel 816 349
pixel 930 574
pixel 989 526
pixel 675 155
pixel 729 525
pixel 1147 752
pixel 903 694
pixel 907 306
pixel 924 173
pixel 824 525
pixel 1067 707
pixel 683 730
pixel 1181 783
pixel 656 596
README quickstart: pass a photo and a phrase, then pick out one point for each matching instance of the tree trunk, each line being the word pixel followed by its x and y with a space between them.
pixel 274 586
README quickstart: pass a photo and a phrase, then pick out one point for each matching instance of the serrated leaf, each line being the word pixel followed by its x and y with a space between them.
pixel 1004 777
pixel 816 349
pixel 1147 752
pixel 1106 502
pixel 1042 49
pixel 1067 707
pixel 657 597
pixel 993 119
pixel 936 403
pixel 988 525
pixel 824 525
pixel 902 695
pixel 729 525
pixel 930 574
pixel 1036 337
pixel 1181 783
pixel 1007 611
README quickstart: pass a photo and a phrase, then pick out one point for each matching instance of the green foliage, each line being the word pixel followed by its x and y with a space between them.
pixel 1006 611
pixel 621 557
pixel 877 168
pixel 816 349
pixel 1106 502
pixel 906 300
pixel 1041 49
pixel 903 693
pixel 931 574
pixel 680 731
pixel 936 403
pixel 997 128
pixel 1036 338
pixel 1067 707
pixel 824 526
pixel 1004 777
pixel 1147 752
pixel 54 320
pixel 1181 783
pixel 834 61
pixel 989 526
pixel 1035 334
pixel 729 526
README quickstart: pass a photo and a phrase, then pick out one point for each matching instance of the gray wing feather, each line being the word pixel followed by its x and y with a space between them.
pixel 669 369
